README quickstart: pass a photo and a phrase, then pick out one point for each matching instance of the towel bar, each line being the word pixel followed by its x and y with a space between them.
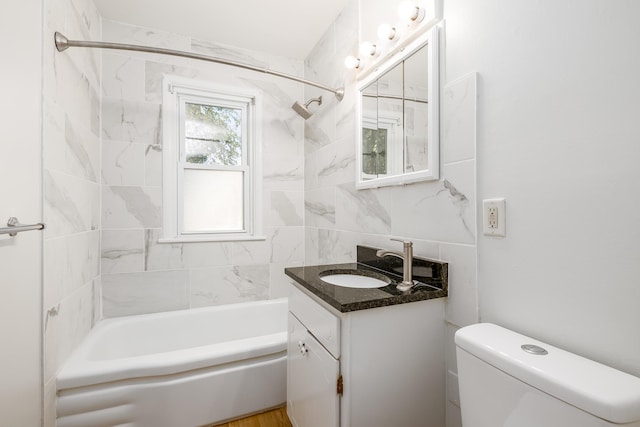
pixel 14 227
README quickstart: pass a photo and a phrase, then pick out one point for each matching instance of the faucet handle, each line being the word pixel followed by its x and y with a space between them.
pixel 406 243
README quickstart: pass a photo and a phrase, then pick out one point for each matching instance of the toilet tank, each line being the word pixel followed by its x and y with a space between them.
pixel 502 385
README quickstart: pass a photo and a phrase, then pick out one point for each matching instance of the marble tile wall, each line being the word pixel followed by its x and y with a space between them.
pixel 140 275
pixel 71 146
pixel 438 216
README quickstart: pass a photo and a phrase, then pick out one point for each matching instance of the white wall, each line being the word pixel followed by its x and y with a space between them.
pixel 558 136
pixel 21 196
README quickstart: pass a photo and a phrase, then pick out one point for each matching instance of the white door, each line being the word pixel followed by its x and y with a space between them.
pixel 20 196
pixel 312 374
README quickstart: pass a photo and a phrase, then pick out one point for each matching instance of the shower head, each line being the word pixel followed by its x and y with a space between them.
pixel 303 110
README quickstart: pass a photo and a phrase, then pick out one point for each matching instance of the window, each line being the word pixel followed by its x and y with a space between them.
pixel 381 146
pixel 211 177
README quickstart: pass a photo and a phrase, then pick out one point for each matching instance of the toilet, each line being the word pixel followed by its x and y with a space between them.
pixel 510 380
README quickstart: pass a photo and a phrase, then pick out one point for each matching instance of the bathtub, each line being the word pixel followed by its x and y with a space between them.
pixel 183 368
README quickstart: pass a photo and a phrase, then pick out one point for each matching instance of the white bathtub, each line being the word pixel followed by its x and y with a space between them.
pixel 182 368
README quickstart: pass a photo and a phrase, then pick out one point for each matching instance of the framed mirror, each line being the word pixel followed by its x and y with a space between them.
pixel 397 116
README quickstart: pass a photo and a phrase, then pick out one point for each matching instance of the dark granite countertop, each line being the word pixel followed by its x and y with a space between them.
pixel 433 284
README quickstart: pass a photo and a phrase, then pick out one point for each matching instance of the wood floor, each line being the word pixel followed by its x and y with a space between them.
pixel 275 418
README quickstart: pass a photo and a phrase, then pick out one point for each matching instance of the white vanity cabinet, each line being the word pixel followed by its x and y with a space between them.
pixel 311 399
pixel 387 361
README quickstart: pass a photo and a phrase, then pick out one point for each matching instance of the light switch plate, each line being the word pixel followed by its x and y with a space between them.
pixel 494 217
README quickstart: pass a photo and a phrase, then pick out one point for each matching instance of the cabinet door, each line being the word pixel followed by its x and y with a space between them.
pixel 312 374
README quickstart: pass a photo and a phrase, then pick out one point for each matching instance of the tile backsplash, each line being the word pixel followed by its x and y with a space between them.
pixel 141 275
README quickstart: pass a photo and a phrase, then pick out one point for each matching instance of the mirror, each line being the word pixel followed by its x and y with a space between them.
pixel 398 118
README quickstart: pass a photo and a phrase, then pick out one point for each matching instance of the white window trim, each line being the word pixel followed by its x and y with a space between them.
pixel 173 88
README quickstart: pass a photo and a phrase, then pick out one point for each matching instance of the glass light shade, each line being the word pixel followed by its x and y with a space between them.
pixel 367 49
pixel 351 62
pixel 386 32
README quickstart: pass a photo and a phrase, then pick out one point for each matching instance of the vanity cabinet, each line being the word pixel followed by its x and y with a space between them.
pixel 311 397
pixel 376 367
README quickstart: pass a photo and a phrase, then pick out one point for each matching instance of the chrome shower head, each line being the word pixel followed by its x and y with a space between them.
pixel 303 110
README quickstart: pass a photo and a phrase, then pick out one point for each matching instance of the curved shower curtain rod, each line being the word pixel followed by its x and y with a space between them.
pixel 63 43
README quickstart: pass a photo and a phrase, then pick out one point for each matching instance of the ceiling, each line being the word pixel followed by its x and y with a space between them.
pixel 289 28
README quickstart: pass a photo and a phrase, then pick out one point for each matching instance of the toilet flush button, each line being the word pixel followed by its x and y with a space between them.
pixel 534 349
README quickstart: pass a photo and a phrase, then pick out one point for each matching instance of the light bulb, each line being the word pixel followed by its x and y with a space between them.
pixel 367 49
pixel 386 32
pixel 351 62
pixel 408 11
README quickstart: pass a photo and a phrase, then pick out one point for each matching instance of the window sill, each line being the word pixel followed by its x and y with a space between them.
pixel 226 238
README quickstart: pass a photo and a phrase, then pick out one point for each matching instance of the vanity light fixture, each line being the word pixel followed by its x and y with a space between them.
pixel 368 49
pixel 386 32
pixel 351 62
pixel 409 11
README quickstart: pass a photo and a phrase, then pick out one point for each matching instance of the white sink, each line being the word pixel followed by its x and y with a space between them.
pixel 354 280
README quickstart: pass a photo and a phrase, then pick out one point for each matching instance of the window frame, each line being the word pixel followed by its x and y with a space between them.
pixel 176 92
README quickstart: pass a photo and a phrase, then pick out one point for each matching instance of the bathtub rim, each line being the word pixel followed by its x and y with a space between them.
pixel 79 371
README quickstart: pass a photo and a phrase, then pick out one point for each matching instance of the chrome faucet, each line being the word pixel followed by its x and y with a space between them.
pixel 407 257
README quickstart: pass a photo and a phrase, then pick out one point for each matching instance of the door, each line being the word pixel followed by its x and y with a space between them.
pixel 20 196
pixel 312 374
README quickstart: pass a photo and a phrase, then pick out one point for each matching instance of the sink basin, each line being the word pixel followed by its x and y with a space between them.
pixel 355 279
